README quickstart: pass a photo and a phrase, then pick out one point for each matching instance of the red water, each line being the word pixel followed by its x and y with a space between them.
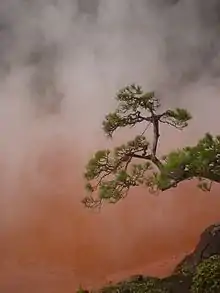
pixel 50 243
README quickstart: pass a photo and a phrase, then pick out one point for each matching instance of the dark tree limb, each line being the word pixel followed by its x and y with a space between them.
pixel 114 172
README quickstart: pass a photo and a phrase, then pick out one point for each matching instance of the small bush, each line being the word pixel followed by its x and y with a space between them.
pixel 207 276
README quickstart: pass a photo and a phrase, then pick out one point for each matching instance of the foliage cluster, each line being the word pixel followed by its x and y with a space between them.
pixel 110 174
pixel 207 276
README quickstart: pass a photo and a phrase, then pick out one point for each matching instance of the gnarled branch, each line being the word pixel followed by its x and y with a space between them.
pixel 113 173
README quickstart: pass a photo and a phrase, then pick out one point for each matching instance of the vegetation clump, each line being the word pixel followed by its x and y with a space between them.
pixel 139 285
pixel 207 276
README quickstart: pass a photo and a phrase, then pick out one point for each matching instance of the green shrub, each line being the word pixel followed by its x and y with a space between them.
pixel 151 285
pixel 207 276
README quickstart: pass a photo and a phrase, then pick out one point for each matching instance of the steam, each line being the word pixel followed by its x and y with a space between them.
pixel 61 62
pixel 69 57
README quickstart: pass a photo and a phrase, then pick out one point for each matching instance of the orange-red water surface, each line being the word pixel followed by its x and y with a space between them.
pixel 51 244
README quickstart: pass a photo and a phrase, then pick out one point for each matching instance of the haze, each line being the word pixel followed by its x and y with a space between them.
pixel 61 62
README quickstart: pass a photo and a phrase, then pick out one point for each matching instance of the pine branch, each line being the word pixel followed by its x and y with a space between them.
pixel 111 174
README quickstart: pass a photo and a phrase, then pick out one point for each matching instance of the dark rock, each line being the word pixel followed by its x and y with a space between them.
pixel 137 278
pixel 177 283
pixel 208 245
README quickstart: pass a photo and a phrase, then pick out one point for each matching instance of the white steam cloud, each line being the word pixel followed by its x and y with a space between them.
pixel 69 57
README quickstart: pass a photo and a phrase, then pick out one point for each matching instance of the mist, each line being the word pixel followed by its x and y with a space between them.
pixel 61 63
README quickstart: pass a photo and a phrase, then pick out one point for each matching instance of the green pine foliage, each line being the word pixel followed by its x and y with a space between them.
pixel 110 174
